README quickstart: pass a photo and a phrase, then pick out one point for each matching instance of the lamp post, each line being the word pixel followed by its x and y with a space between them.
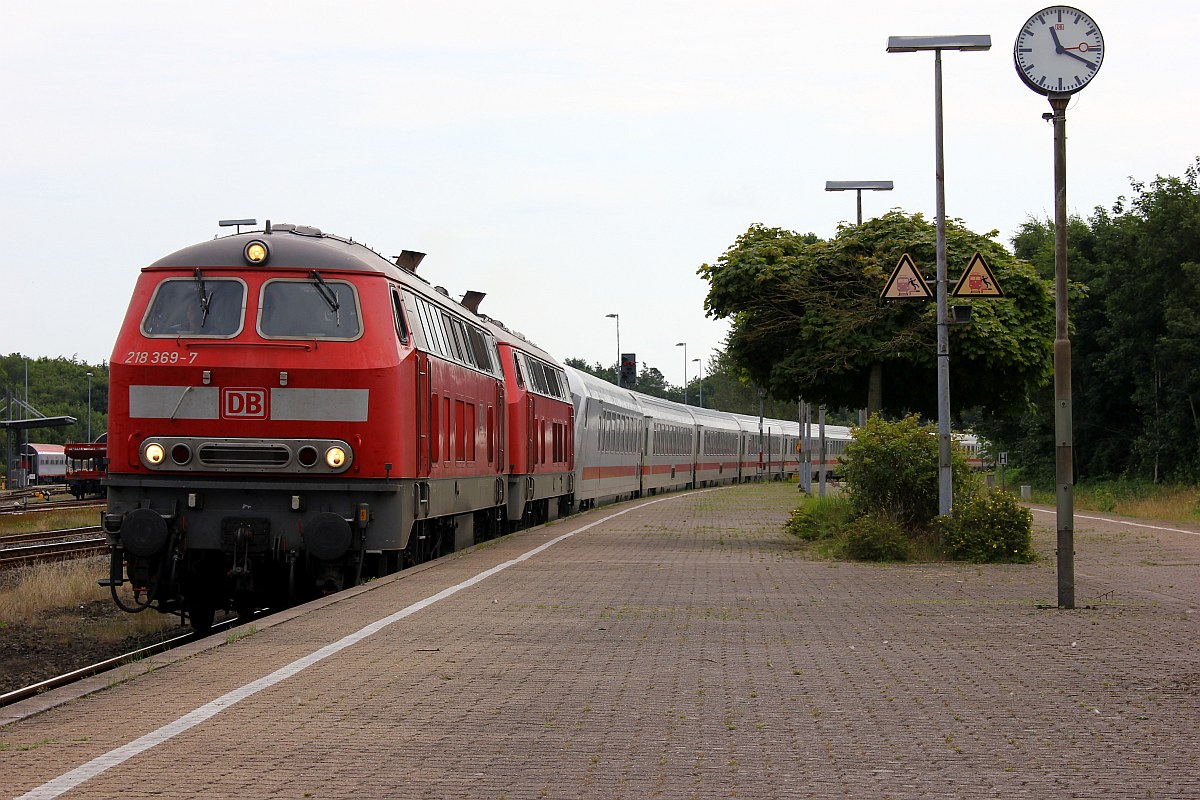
pixel 875 385
pixel 859 187
pixel 89 434
pixel 617 317
pixel 684 346
pixel 700 386
pixel 912 44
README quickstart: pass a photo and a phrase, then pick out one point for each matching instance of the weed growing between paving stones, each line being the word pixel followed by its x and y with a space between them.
pixel 240 633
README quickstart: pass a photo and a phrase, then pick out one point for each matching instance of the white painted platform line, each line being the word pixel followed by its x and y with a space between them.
pixel 113 758
pixel 1123 522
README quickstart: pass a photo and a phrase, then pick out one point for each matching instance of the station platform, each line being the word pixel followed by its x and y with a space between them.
pixel 675 647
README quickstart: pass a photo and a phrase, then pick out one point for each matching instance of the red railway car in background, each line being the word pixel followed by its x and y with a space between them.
pixel 87 466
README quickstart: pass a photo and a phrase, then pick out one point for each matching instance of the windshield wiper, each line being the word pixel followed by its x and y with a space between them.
pixel 328 294
pixel 205 297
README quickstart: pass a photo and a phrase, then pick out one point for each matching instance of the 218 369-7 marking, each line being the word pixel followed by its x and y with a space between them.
pixel 159 357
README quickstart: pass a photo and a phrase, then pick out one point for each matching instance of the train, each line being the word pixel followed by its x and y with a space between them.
pixel 87 467
pixel 42 464
pixel 291 413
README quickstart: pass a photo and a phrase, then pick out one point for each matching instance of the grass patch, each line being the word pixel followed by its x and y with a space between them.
pixel 240 633
pixel 1131 499
pixel 33 521
pixel 54 593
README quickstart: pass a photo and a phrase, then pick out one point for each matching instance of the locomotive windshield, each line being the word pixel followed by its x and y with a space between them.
pixel 196 307
pixel 309 309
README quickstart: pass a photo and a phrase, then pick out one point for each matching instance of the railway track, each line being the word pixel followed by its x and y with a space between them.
pixel 23 505
pixel 84 672
pixel 21 549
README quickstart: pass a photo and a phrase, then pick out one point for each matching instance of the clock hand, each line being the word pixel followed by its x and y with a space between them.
pixel 1058 48
pixel 1066 52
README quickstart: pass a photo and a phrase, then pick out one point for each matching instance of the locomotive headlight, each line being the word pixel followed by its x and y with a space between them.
pixel 256 252
pixel 335 457
pixel 154 454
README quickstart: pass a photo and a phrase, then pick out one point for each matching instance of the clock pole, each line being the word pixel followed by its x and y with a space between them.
pixel 1063 436
pixel 1058 51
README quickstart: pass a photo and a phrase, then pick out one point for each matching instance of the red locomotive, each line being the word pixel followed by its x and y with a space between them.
pixel 290 412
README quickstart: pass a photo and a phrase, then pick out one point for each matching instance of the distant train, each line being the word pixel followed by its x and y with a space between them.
pixel 291 413
pixel 87 466
pixel 42 463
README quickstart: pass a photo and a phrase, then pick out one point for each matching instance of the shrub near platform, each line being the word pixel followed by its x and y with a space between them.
pixel 877 537
pixel 892 467
pixel 988 527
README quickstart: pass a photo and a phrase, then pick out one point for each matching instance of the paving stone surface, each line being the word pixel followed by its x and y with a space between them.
pixel 681 649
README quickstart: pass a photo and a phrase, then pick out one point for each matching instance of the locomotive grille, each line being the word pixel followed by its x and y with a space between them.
pixel 244 455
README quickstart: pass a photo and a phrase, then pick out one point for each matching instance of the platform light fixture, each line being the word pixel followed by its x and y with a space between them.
pixel 858 187
pixel 684 346
pixel 913 44
pixel 617 317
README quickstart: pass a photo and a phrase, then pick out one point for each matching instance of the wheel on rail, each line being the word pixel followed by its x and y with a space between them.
pixel 202 617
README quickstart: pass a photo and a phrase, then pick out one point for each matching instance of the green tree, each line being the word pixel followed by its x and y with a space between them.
pixel 57 387
pixel 1138 329
pixel 599 370
pixel 808 321
pixel 1135 338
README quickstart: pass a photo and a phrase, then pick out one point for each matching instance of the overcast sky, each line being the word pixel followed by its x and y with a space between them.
pixel 571 159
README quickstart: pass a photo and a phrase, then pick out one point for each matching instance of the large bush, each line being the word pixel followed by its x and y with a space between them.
pixel 819 518
pixel 892 468
pixel 877 537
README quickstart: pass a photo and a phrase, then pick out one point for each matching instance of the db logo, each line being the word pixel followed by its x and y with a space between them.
pixel 243 404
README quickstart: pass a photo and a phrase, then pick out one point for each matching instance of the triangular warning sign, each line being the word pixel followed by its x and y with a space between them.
pixel 978 281
pixel 906 282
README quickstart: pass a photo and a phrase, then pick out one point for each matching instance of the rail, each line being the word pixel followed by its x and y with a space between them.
pixel 22 549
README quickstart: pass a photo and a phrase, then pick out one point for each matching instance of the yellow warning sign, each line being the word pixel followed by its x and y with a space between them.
pixel 978 281
pixel 906 282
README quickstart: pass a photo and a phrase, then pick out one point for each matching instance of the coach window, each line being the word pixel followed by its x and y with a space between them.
pixel 520 374
pixel 432 322
pixel 460 339
pixel 196 306
pixel 455 349
pixel 312 308
pixel 552 381
pixel 398 311
pixel 479 348
pixel 537 373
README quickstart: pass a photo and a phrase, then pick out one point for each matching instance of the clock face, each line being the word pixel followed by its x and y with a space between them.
pixel 1058 50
